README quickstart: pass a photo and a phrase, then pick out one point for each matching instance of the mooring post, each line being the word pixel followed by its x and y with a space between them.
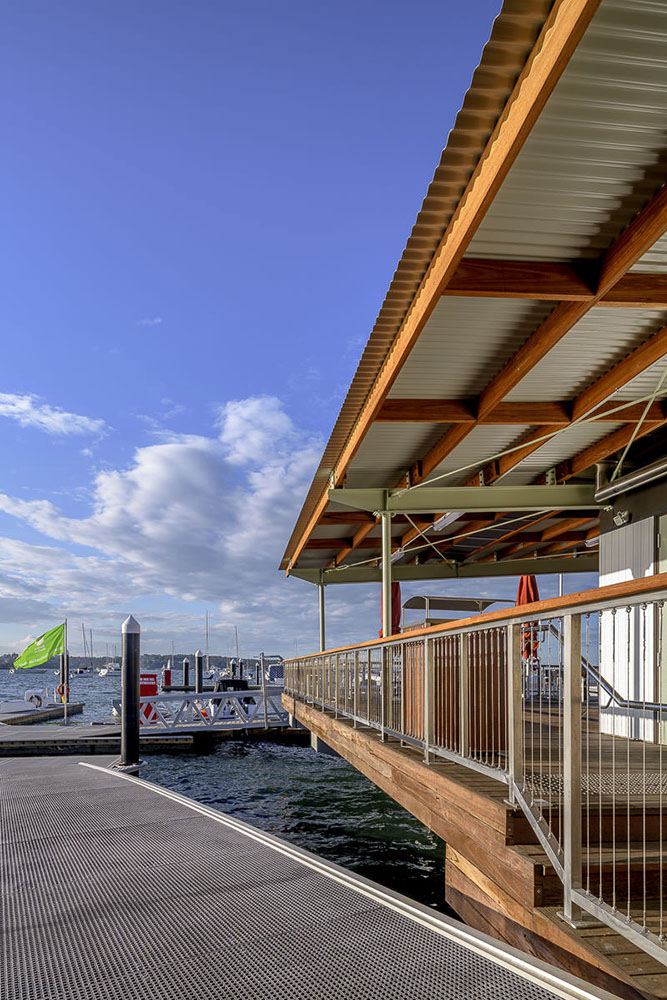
pixel 129 712
pixel 266 707
pixel 186 672
pixel 199 672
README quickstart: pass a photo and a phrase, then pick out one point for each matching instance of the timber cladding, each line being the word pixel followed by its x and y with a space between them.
pixel 496 876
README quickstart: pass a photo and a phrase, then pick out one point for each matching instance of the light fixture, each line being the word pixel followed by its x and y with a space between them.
pixel 398 554
pixel 446 519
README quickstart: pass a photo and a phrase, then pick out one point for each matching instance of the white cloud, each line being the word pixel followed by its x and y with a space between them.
pixel 194 518
pixel 29 411
pixel 150 321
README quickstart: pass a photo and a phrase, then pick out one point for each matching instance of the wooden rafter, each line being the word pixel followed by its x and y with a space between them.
pixel 638 237
pixel 516 530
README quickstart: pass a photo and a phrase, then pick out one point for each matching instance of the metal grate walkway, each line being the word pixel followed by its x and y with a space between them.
pixel 113 888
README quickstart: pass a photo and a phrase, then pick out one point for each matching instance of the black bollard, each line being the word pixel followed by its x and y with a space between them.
pixel 199 672
pixel 186 672
pixel 129 712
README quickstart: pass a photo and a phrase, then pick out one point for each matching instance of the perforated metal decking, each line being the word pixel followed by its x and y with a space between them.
pixel 113 888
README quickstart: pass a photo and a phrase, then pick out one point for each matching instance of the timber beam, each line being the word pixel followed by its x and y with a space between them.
pixel 549 282
pixel 462 411
pixel 464 498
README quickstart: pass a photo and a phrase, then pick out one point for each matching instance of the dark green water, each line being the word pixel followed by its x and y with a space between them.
pixel 318 802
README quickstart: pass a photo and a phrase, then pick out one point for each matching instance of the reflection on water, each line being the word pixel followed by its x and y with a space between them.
pixel 317 802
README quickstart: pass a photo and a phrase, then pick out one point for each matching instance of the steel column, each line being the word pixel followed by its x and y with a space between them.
pixel 386 574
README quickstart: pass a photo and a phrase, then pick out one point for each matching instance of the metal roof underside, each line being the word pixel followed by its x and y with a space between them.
pixel 594 158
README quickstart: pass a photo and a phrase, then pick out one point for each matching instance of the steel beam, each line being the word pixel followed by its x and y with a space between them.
pixel 467 498
pixel 449 571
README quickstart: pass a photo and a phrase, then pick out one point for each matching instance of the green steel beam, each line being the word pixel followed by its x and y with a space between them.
pixel 467 498
pixel 450 571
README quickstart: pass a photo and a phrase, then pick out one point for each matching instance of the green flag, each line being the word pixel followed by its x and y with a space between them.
pixel 43 648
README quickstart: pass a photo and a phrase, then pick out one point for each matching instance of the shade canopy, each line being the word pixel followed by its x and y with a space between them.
pixel 523 336
pixel 439 603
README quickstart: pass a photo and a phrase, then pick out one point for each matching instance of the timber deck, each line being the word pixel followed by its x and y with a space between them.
pixel 113 887
pixel 498 878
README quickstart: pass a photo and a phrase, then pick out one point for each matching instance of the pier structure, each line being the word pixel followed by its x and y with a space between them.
pixel 507 418
pixel 114 887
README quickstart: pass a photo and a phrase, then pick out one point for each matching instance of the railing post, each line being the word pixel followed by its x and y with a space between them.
pixel 429 701
pixel 336 685
pixel 464 696
pixel 355 696
pixel 514 710
pixel 384 695
pixel 571 764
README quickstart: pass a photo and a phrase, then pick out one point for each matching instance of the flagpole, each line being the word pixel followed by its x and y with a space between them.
pixel 66 672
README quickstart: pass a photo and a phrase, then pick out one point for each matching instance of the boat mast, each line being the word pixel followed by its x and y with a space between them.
pixel 238 658
pixel 207 663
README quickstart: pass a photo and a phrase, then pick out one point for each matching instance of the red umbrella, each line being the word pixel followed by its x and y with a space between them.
pixel 395 608
pixel 528 594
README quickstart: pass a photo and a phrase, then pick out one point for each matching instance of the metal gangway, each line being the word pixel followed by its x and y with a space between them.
pixel 217 711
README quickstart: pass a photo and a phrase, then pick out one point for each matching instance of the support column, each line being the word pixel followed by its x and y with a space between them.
pixel 320 595
pixel 386 574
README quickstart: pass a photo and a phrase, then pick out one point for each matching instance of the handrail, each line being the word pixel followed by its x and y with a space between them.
pixel 618 699
pixel 614 593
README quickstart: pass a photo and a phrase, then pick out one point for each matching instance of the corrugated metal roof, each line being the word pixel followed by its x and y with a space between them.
pixel 596 154
pixel 513 36
pixel 594 158
pixel 570 441
pixel 655 260
pixel 480 445
pixel 599 341
pixel 464 344
pixel 388 451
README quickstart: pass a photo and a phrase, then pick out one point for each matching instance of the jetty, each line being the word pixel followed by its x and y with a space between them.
pixel 114 887
pixel 507 419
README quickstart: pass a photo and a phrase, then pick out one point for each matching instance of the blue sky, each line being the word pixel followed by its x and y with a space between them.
pixel 203 205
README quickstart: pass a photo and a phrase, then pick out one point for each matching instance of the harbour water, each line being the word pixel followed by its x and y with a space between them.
pixel 316 801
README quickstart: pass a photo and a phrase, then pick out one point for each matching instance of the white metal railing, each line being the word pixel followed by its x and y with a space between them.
pixel 566 707
pixel 249 709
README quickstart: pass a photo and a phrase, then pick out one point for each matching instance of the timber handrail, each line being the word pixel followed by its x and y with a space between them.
pixel 570 602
